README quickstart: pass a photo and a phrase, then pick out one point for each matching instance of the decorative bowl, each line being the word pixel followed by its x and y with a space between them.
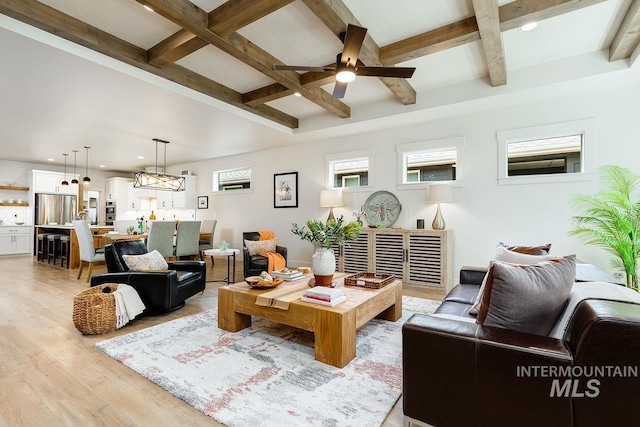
pixel 256 282
pixel 19 222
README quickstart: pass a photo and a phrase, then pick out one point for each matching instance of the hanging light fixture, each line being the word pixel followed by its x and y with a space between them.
pixel 65 182
pixel 75 156
pixel 86 181
pixel 156 180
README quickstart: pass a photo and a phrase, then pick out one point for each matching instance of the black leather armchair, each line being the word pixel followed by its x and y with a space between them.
pixel 160 291
pixel 256 264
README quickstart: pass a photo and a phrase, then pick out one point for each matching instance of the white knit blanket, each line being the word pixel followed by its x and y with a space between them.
pixel 128 304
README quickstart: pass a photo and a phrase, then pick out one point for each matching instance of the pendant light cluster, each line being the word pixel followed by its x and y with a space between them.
pixel 86 181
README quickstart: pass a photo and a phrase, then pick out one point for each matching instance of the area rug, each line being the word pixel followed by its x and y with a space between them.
pixel 266 375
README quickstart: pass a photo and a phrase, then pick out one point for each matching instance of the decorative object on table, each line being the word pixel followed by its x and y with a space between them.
pixel 420 224
pixel 203 202
pixel 285 190
pixel 288 274
pixel 611 219
pixel 130 229
pixel 331 198
pixel 152 217
pixel 264 281
pixel 324 296
pixel 140 225
pixel 223 245
pixel 439 193
pixel 382 209
pixel 359 214
pixel 323 236
pixel 369 280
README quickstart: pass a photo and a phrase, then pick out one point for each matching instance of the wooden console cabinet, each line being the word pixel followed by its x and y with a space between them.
pixel 420 258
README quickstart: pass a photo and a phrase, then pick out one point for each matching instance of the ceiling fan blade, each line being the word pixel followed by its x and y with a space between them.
pixel 352 44
pixel 399 72
pixel 304 68
pixel 339 90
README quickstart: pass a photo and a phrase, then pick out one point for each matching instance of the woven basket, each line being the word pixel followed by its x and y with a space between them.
pixel 94 312
pixel 369 280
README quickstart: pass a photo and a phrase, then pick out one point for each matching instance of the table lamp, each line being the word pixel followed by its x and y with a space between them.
pixel 330 199
pixel 439 193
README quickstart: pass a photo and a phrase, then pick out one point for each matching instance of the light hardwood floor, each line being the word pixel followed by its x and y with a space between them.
pixel 51 375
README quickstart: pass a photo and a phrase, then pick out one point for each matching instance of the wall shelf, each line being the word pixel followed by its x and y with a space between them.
pixel 13 204
pixel 14 188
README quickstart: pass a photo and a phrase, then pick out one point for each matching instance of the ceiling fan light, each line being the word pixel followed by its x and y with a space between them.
pixel 345 76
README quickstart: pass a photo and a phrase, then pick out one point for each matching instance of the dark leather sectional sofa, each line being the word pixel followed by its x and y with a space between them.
pixel 459 373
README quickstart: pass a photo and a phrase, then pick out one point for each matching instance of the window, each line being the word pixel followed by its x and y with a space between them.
pixel 424 162
pixel 549 153
pixel 232 179
pixel 349 170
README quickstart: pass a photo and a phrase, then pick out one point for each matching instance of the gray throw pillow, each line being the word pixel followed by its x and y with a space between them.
pixel 527 298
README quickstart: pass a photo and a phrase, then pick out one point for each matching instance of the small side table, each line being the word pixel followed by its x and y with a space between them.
pixel 231 262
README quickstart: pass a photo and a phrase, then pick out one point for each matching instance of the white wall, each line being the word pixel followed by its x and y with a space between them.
pixel 483 212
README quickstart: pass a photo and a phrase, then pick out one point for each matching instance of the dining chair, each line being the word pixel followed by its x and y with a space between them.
pixel 208 225
pixel 188 239
pixel 161 237
pixel 121 225
pixel 88 252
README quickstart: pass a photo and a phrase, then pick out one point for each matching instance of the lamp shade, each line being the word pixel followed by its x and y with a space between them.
pixel 330 198
pixel 439 193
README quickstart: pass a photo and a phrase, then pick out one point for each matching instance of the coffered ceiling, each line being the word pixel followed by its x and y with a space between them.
pixel 113 75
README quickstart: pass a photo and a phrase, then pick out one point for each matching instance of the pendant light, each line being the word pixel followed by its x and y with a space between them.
pixel 75 156
pixel 156 180
pixel 86 181
pixel 65 182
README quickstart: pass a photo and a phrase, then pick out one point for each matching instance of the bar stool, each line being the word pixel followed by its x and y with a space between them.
pixel 65 249
pixel 42 246
pixel 53 245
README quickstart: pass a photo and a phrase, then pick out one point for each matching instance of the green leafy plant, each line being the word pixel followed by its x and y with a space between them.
pixel 323 235
pixel 611 219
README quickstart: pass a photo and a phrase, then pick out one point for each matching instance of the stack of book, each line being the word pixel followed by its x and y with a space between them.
pixel 325 296
pixel 287 274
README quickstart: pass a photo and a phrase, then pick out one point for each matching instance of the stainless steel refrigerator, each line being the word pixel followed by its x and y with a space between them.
pixel 55 209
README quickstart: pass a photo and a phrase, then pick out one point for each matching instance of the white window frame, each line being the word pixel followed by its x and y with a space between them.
pixel 404 150
pixel 331 159
pixel 215 185
pixel 351 177
pixel 584 127
pixel 412 172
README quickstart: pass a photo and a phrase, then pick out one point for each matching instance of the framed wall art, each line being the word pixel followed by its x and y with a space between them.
pixel 285 190
pixel 203 202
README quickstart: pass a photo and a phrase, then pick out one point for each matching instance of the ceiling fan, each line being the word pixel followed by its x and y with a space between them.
pixel 348 66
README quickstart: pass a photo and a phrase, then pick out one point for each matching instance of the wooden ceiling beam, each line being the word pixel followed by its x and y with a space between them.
pixel 193 19
pixel 336 16
pixel 488 20
pixel 277 91
pixel 628 35
pixel 512 15
pixel 224 20
pixel 67 27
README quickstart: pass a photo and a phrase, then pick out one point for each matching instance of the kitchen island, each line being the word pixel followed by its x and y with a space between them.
pixel 74 255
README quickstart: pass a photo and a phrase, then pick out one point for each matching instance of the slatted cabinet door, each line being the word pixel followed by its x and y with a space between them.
pixel 354 257
pixel 427 260
pixel 389 255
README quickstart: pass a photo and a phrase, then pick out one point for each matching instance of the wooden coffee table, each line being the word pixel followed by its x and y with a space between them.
pixel 334 327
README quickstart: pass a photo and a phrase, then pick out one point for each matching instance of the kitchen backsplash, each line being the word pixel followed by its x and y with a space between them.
pixel 12 214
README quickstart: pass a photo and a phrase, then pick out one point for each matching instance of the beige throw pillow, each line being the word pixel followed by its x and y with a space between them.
pixel 529 250
pixel 505 255
pixel 527 298
pixel 145 262
pixel 257 246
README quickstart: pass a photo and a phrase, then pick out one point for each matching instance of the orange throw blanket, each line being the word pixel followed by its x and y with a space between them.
pixel 275 260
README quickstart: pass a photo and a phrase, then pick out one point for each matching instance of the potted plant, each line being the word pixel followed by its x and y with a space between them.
pixel 611 219
pixel 323 236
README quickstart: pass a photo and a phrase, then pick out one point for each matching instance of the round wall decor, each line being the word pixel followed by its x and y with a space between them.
pixel 382 209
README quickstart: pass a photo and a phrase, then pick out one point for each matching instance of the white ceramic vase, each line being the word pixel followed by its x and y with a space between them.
pixel 323 263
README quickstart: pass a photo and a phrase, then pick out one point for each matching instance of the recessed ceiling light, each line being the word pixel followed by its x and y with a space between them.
pixel 528 27
pixel 51 160
pixel 297 94
pixel 148 8
pixel 101 166
pixel 141 157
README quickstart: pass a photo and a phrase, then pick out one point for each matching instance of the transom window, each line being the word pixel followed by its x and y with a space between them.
pixel 545 156
pixel 420 163
pixel 349 170
pixel 232 179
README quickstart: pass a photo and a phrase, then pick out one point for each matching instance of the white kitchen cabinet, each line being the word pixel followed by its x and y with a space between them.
pixel 14 240
pixel 49 182
pixel 116 190
pixel 179 199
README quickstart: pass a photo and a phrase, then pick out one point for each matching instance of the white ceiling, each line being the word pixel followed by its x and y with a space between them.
pixel 57 96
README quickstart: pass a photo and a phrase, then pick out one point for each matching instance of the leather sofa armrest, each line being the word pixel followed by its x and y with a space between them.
pixel 282 251
pixel 472 275
pixel 196 266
